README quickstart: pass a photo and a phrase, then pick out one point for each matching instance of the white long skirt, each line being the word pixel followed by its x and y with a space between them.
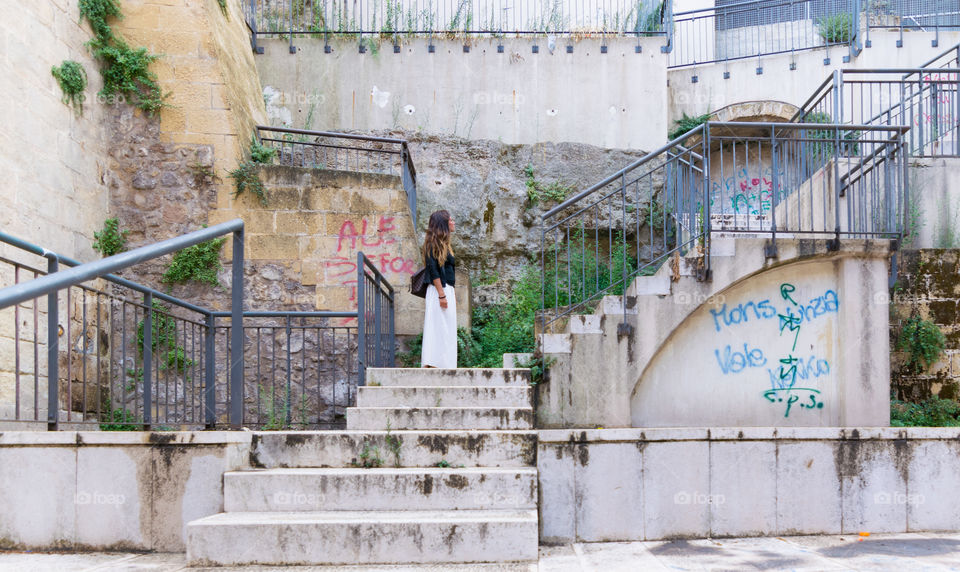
pixel 440 330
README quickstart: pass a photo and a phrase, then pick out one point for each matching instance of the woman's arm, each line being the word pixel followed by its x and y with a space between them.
pixel 443 298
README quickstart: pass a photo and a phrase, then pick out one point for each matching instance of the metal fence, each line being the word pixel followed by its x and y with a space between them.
pixel 80 347
pixel 453 18
pixel 926 99
pixel 913 15
pixel 754 28
pixel 766 179
pixel 344 152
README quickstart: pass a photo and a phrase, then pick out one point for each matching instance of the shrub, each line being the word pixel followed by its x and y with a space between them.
pixel 111 240
pixel 686 124
pixel 260 153
pixel 923 341
pixel 120 420
pixel 246 177
pixel 934 412
pixel 72 79
pixel 836 29
pixel 163 337
pixel 200 262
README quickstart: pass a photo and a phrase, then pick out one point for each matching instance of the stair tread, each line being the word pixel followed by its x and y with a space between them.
pixel 392 407
pixel 367 517
pixel 383 470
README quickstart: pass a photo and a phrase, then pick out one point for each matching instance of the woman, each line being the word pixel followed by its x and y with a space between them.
pixel 440 318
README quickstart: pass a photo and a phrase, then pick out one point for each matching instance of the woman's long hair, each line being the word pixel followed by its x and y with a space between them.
pixel 437 242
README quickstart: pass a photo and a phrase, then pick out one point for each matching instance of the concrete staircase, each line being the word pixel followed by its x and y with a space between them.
pixel 436 467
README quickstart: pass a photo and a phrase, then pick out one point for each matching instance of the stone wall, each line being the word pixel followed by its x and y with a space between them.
pixel 928 286
pixel 655 484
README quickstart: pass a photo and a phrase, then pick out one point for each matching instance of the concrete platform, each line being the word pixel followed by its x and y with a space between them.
pixel 472 377
pixel 444 396
pixel 451 418
pixel 934 552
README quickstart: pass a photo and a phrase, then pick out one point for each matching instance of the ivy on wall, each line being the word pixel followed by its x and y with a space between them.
pixel 125 70
pixel 72 79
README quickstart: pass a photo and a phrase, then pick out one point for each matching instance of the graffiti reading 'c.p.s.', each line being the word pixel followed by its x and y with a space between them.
pixel 803 397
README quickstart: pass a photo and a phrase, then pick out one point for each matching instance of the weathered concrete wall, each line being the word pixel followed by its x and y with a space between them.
pixel 614 99
pixel 651 484
pixel 112 490
pixel 779 83
pixel 934 214
pixel 928 286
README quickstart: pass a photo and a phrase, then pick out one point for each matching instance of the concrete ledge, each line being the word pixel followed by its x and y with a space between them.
pixel 578 436
pixel 124 438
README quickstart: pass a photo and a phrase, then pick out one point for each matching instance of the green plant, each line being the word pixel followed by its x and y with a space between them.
pixel 369 457
pixel 223 8
pixel 393 444
pixel 539 365
pixel 933 412
pixel 260 153
pixel 72 79
pixel 120 420
pixel 538 191
pixel 686 124
pixel 125 70
pixel 163 338
pixel 442 464
pixel 199 262
pixel 276 411
pixel 246 177
pixel 111 240
pixel 134 378
pixel 821 152
pixel 836 29
pixel 923 341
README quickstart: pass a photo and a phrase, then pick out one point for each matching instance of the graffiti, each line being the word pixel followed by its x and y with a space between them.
pixel 747 194
pixel 811 368
pixel 735 361
pixel 792 396
pixel 746 312
pixel 348 232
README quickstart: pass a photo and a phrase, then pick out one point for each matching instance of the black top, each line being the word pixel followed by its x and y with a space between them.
pixel 446 274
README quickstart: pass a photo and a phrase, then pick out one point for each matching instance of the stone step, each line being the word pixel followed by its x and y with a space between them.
pixel 299 490
pixel 363 537
pixel 275 449
pixel 420 377
pixel 441 396
pixel 450 418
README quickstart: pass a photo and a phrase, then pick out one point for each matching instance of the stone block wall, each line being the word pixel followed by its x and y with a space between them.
pixel 928 286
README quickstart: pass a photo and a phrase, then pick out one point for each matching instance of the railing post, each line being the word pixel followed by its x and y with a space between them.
pixel 292 8
pixel 774 159
pixel 361 323
pixel 855 46
pixel 210 373
pixel 236 331
pixel 252 23
pixel 53 351
pixel 920 116
pixel 668 24
pixel 148 362
pixel 705 196
pixel 286 401
pixel 377 305
pixel 393 333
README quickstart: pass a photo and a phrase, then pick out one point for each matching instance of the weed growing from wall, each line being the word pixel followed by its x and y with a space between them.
pixel 72 79
pixel 934 412
pixel 246 177
pixel 686 124
pixel 923 341
pixel 163 338
pixel 260 153
pixel 125 70
pixel 538 191
pixel 200 262
pixel 111 240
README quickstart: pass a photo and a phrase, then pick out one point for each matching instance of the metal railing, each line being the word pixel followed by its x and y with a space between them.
pixel 83 347
pixel 755 28
pixel 925 98
pixel 344 152
pixel 456 18
pixel 765 179
pixel 913 15
pixel 377 343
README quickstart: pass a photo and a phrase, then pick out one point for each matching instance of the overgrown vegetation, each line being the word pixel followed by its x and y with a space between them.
pixel 223 8
pixel 125 70
pixel 538 191
pixel 369 457
pixel 200 262
pixel 111 240
pixel 686 124
pixel 260 153
pixel 821 152
pixel 72 79
pixel 246 177
pixel 933 412
pixel 163 338
pixel 538 366
pixel 923 342
pixel 836 29
pixel 120 420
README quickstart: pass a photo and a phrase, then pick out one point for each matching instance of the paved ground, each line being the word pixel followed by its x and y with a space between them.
pixel 899 552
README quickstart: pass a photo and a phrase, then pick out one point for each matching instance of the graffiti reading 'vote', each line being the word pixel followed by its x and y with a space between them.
pixel 736 361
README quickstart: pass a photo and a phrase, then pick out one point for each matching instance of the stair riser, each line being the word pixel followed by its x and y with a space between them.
pixel 454 489
pixel 364 419
pixel 399 377
pixel 362 543
pixel 494 397
pixel 417 449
